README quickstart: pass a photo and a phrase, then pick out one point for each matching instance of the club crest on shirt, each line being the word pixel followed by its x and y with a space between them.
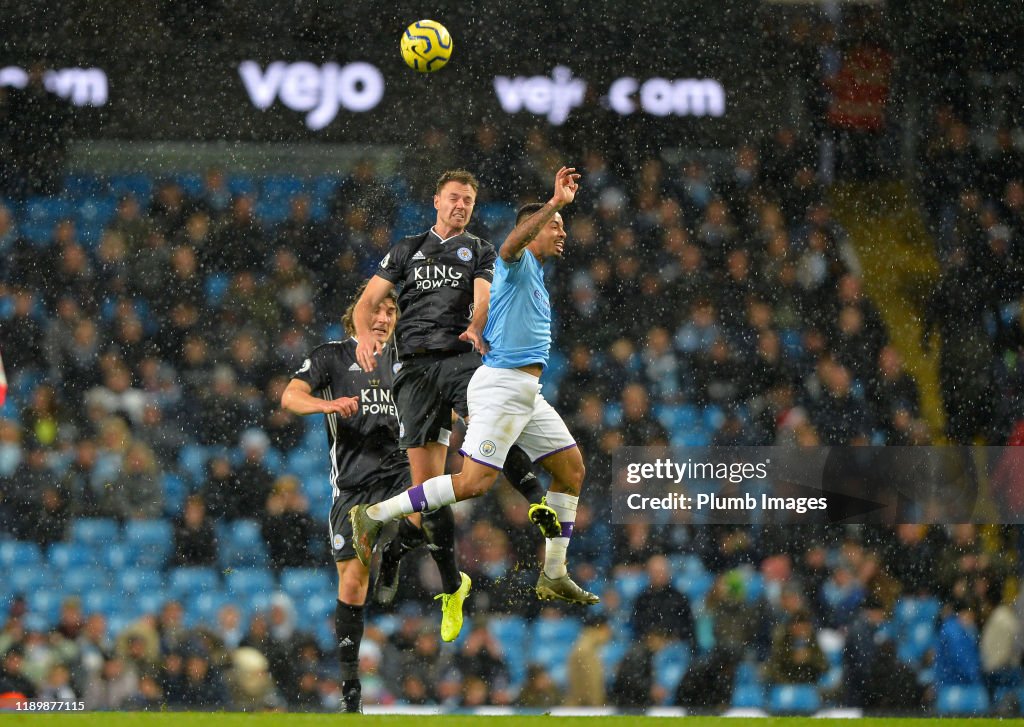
pixel 465 254
pixel 487 448
pixel 338 542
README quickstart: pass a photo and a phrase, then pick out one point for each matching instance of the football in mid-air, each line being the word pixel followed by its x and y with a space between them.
pixel 426 46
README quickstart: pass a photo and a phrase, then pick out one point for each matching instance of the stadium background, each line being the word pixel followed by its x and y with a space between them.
pixel 778 249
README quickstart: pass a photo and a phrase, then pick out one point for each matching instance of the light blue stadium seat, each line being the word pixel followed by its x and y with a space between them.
pixel 189 580
pixel 151 601
pixel 695 586
pixel 46 602
pixel 712 418
pixel 102 600
pixel 243 546
pixel 611 655
pixel 747 674
pixel 191 183
pixel 412 218
pixel 65 556
pixel 280 187
pixel 139 186
pixel 239 184
pixel 794 699
pixel 560 629
pixel 697 437
pixel 193 457
pixel 151 542
pixel 962 700
pixel 78 186
pixel 117 556
pixel 202 608
pixel 300 583
pixel 670 664
pixel 613 414
pixel 136 581
pixel 747 696
pixel 910 611
pixel 80 580
pixel 244 582
pixel 95 211
pixel 18 555
pixel 629 586
pixel 316 609
pixel 272 211
pixel 918 639
pixel 510 632
pixel 95 531
pixel 26 580
pixel 677 417
pixel 175 490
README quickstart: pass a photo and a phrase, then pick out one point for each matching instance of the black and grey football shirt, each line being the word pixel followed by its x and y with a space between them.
pixel 435 279
pixel 364 447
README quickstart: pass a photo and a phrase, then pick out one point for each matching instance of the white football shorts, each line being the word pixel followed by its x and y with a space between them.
pixel 506 408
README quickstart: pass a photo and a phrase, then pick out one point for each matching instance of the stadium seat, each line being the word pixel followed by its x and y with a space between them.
pixel 187 581
pixel 916 642
pixel 137 185
pixel 694 585
pixel 244 582
pixel 46 602
pixel 794 699
pixel 79 186
pixel 80 580
pixel 95 531
pixel 317 608
pixel 412 218
pixel 116 556
pixel 152 601
pixel 102 600
pixel 629 586
pixel 747 674
pixel 713 418
pixel 136 581
pixel 16 555
pixel 175 490
pixel 151 542
pixel 65 556
pixel 677 417
pixel 95 211
pixel 26 580
pixel 611 655
pixel 280 187
pixel 670 664
pixel 962 700
pixel 300 583
pixel 242 546
pixel 193 457
pixel 192 184
pixel 239 184
pixel 203 607
pixel 747 696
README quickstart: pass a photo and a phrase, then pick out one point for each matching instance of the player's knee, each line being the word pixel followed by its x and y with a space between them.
pixel 475 482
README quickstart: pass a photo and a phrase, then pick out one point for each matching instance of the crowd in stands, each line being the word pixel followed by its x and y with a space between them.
pixel 148 328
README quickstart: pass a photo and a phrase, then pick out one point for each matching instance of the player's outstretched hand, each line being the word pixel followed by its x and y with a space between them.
pixel 365 352
pixel 346 406
pixel 566 184
pixel 473 336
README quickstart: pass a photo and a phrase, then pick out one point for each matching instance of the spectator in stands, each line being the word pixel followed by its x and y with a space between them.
pixel 195 542
pixel 481 656
pixel 585 669
pixel 250 685
pixel 957 658
pixel 539 691
pixel 738 624
pixel 634 686
pixel 660 607
pixel 202 686
pixel 796 657
pixel 135 493
pixel 116 683
pixel 12 677
pixel 287 526
pixel 149 697
pixel 1001 647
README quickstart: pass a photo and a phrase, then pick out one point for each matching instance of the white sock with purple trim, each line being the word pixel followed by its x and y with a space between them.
pixel 555 548
pixel 432 494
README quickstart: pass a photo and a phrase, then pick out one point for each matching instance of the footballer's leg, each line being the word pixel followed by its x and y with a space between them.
pixel 408 538
pixel 353 580
pixel 567 470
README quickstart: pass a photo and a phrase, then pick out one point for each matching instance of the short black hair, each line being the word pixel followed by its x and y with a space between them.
pixel 528 210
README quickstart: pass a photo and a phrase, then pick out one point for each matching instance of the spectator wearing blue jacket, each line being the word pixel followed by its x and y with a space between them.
pixel 957 655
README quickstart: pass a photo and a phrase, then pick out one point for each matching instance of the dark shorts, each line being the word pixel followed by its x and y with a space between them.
pixel 426 390
pixel 341 526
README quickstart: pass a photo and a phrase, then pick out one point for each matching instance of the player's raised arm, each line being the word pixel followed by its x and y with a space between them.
pixel 566 184
pixel 298 399
pixel 377 289
pixel 474 334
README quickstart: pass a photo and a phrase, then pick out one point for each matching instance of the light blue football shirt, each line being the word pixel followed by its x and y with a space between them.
pixel 518 328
